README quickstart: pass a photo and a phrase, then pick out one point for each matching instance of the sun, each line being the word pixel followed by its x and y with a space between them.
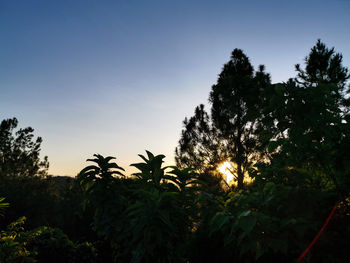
pixel 227 171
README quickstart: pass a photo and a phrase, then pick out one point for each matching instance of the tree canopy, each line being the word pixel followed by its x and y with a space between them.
pixel 231 131
pixel 253 121
pixel 19 151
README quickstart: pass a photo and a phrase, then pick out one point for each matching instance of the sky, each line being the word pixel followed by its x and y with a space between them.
pixel 119 77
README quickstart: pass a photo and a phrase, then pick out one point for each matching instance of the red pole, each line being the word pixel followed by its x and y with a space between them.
pixel 318 234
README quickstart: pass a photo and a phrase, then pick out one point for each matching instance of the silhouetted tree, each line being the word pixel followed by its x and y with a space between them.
pixel 19 152
pixel 311 119
pixel 199 146
pixel 232 130
pixel 23 177
pixel 323 65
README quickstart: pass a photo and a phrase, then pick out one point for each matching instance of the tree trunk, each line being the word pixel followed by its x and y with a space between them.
pixel 240 176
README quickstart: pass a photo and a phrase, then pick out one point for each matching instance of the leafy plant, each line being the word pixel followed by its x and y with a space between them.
pixel 265 225
pixel 159 220
pixel 3 205
pixel 151 170
pixel 103 195
pixel 52 245
pixel 13 248
pixel 102 173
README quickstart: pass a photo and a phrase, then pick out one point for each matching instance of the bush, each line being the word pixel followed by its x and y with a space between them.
pixel 52 245
pixel 13 247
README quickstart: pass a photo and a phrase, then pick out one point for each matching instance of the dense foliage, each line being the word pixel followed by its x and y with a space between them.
pixel 290 138
pixel 19 152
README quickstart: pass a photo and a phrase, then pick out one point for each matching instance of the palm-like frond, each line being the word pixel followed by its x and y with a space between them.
pixel 3 205
pixel 103 170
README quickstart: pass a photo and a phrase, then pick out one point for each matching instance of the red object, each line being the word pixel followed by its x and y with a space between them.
pixel 318 234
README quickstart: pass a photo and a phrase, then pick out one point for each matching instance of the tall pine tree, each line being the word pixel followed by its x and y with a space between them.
pixel 232 131
pixel 312 121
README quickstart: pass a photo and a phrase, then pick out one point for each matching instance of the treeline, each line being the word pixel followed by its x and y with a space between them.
pixel 290 139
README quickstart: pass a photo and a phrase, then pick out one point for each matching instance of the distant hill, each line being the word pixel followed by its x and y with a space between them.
pixel 62 182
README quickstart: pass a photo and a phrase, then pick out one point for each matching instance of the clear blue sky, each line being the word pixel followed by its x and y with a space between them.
pixel 119 77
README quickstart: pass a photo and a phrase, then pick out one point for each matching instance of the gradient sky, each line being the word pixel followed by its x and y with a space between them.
pixel 119 77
